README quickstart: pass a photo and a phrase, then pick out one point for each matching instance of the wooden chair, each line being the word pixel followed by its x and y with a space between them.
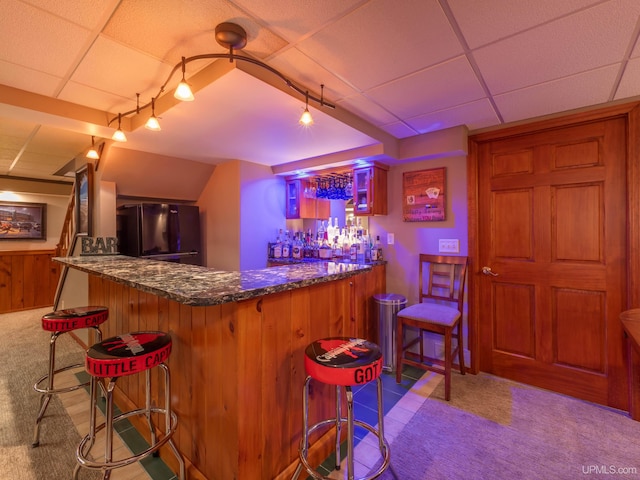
pixel 441 287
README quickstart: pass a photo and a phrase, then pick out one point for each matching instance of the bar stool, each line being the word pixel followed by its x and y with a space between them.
pixel 118 356
pixel 342 362
pixel 58 323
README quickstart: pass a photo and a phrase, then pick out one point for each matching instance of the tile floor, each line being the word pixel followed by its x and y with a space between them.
pixel 400 402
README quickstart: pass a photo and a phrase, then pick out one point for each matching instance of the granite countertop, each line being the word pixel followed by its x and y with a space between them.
pixel 201 286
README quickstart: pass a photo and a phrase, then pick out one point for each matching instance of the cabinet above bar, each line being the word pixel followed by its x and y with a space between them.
pixel 200 286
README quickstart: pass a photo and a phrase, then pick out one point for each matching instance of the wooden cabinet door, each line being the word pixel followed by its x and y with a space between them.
pixel 552 226
pixel 369 191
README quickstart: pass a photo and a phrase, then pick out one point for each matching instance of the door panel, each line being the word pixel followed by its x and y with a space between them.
pixel 552 226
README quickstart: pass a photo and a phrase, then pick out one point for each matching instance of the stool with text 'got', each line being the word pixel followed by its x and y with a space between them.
pixel 342 362
pixel 59 322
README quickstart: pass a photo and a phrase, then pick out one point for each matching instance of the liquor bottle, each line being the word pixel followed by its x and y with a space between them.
pixel 325 251
pixel 337 248
pixel 286 246
pixel 277 249
pixel 297 249
pixel 378 247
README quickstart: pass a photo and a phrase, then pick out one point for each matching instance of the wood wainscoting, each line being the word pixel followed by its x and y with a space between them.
pixel 28 279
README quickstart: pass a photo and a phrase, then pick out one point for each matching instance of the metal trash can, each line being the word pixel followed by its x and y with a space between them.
pixel 389 304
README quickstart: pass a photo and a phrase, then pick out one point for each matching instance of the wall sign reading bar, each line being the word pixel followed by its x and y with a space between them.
pixel 423 195
pixel 99 246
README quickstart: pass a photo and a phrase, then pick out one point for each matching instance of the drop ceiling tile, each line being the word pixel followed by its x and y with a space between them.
pixel 91 97
pixel 310 75
pixel 87 13
pixel 53 50
pixel 436 88
pixel 485 22
pixel 171 29
pixel 66 142
pixel 112 68
pixel 24 78
pixel 399 130
pixel 630 81
pixel 474 115
pixel 384 40
pixel 11 127
pixel 585 89
pixel 294 20
pixel 594 37
pixel 364 107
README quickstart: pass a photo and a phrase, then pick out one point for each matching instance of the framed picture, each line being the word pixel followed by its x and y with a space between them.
pixel 23 221
pixel 423 195
pixel 84 200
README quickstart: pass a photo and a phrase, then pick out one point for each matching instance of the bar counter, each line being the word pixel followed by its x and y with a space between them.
pixel 201 286
pixel 237 361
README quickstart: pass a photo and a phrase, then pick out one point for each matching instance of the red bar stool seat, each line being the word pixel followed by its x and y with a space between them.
pixel 115 357
pixel 58 323
pixel 342 362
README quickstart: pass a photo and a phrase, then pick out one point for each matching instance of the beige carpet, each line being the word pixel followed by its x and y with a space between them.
pixel 498 429
pixel 24 350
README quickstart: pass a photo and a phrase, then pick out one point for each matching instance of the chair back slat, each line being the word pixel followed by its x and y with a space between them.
pixel 445 275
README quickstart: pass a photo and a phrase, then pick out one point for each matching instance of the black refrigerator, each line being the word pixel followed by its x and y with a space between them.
pixel 160 231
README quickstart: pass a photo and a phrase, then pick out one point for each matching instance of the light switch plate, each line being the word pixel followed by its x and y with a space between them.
pixel 449 245
pixel 390 238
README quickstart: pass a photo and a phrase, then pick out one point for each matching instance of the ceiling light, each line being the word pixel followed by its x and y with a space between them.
pixel 119 135
pixel 231 36
pixel 183 91
pixel 306 119
pixel 93 153
pixel 152 122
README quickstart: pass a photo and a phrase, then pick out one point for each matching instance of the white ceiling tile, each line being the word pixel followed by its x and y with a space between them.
pixel 399 130
pixel 630 82
pixel 436 88
pixel 24 78
pixel 478 114
pixel 484 22
pixel 310 75
pixel 80 94
pixel 292 20
pixel 188 28
pixel 590 88
pixel 60 40
pixel 384 40
pixel 87 13
pixel 364 107
pixel 15 128
pixel 594 37
pixel 111 67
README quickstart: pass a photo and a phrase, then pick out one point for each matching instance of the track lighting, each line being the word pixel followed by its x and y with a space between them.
pixel 152 122
pixel 183 91
pixel 231 36
pixel 93 153
pixel 306 119
pixel 119 135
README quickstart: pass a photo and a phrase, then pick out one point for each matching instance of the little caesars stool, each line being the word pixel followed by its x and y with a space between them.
pixel 113 358
pixel 343 362
pixel 59 322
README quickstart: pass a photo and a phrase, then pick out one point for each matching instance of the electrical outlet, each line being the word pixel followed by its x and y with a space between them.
pixel 390 238
pixel 449 245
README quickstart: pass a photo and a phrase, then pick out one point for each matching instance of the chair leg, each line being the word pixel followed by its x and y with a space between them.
pixel 447 365
pixel 350 433
pixel 399 341
pixel 338 426
pixel 461 350
pixel 45 398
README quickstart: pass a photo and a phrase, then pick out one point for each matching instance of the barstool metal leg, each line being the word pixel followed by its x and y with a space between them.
pixel 168 417
pixel 350 433
pixel 304 442
pixel 45 398
pixel 338 426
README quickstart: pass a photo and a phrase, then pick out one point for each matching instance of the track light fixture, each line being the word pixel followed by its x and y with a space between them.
pixel 231 36
pixel 93 153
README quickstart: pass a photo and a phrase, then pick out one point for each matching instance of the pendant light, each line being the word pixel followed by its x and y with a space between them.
pixel 152 122
pixel 93 153
pixel 306 119
pixel 183 91
pixel 119 135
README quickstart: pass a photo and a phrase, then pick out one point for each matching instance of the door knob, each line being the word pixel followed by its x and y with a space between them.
pixel 487 271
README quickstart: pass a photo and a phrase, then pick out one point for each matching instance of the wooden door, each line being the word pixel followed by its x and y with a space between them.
pixel 552 226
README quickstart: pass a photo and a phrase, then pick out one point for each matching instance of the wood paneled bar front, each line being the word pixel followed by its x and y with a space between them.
pixel 238 342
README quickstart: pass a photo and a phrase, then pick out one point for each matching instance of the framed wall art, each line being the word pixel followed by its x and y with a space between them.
pixel 423 195
pixel 23 221
pixel 84 200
